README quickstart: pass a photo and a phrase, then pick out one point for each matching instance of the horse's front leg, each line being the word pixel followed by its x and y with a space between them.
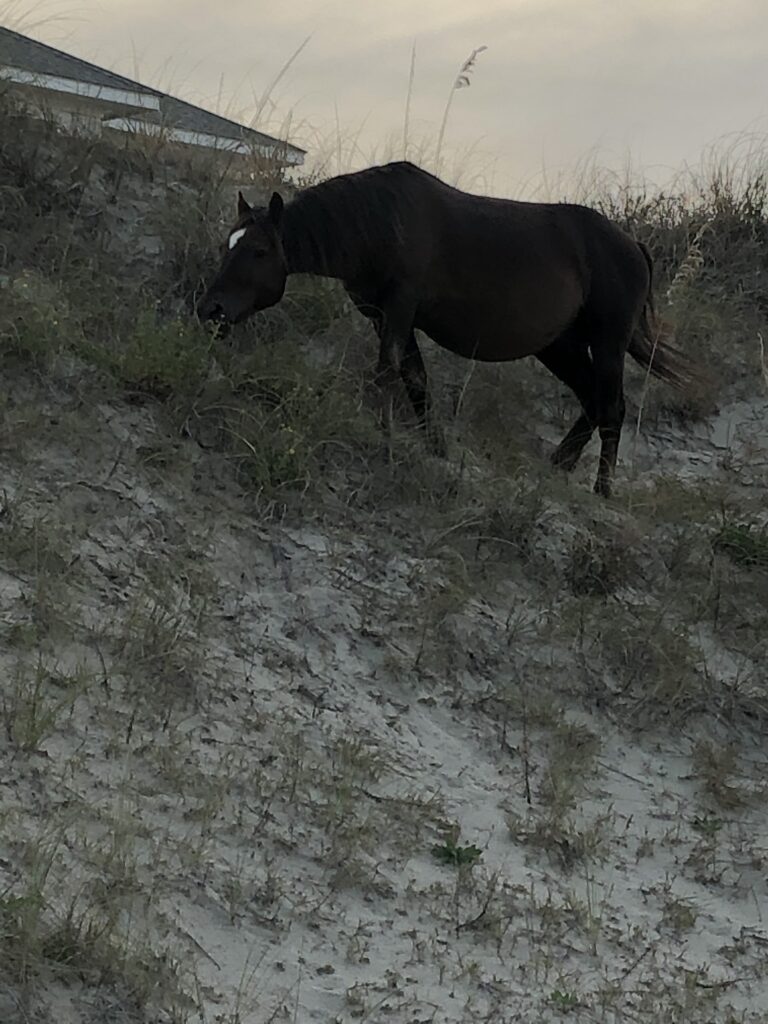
pixel 388 368
pixel 414 374
pixel 394 327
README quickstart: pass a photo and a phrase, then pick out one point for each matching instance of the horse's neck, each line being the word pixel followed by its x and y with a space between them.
pixel 309 240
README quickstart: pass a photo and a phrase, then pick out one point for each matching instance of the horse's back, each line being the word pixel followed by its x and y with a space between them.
pixel 499 278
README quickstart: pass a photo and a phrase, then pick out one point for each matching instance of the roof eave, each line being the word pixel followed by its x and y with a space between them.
pixel 289 154
pixel 73 87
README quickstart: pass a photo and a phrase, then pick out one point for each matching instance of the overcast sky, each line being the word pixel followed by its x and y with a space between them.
pixel 657 80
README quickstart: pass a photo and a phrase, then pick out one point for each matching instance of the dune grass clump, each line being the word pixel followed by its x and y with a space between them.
pixel 744 543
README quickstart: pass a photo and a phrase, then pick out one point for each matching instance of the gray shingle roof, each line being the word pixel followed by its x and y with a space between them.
pixel 20 51
pixel 27 54
pixel 194 119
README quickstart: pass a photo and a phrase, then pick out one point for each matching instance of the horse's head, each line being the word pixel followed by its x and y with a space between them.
pixel 253 271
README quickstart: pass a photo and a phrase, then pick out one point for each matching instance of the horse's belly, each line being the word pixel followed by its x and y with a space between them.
pixel 488 340
pixel 514 313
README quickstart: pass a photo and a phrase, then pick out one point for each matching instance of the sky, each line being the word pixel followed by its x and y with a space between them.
pixel 563 84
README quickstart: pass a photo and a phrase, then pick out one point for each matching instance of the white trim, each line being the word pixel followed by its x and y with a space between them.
pixel 126 97
pixel 132 124
pixel 188 138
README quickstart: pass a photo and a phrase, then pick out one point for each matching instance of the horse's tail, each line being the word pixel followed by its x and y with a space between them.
pixel 648 348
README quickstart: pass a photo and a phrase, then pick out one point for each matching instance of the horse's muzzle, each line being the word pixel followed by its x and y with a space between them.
pixel 210 311
pixel 209 308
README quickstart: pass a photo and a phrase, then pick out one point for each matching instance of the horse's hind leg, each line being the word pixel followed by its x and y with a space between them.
pixel 608 358
pixel 569 360
pixel 414 375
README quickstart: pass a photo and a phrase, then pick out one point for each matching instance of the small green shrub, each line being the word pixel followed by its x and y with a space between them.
pixel 162 360
pixel 284 422
pixel 456 856
pixel 37 323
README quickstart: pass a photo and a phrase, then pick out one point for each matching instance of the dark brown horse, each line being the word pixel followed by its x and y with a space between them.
pixel 488 279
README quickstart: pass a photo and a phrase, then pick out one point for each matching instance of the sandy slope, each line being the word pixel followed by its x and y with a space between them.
pixel 258 732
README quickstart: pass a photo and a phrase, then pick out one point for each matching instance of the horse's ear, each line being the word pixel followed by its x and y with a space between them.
pixel 276 209
pixel 243 209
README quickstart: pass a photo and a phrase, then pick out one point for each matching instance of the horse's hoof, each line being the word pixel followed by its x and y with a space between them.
pixel 603 488
pixel 564 461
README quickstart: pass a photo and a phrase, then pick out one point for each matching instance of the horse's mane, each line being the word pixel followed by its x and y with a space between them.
pixel 339 222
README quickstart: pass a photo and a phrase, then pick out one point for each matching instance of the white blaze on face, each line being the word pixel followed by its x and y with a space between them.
pixel 235 237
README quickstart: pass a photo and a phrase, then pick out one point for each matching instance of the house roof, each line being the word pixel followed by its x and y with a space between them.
pixel 195 119
pixel 42 64
pixel 28 54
